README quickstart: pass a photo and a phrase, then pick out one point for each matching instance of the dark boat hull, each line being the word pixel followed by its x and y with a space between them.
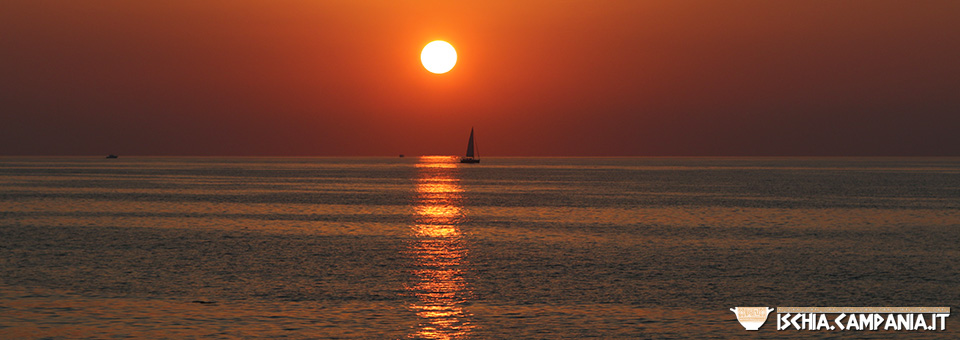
pixel 469 160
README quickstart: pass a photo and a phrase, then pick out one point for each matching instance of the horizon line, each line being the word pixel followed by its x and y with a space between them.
pixel 526 156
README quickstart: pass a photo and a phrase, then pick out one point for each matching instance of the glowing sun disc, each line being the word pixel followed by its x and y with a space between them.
pixel 438 56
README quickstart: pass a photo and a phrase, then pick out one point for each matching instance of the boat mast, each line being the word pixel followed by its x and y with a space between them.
pixel 470 144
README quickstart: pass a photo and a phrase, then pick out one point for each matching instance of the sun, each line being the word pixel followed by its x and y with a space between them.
pixel 438 56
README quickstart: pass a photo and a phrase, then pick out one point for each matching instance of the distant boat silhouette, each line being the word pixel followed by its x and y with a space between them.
pixel 112 156
pixel 471 149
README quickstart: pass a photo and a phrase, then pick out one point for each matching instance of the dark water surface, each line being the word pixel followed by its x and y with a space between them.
pixel 433 249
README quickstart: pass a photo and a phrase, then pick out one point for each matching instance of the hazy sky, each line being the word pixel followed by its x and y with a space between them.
pixel 550 78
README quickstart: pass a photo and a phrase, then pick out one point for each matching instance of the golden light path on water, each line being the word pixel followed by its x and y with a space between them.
pixel 439 252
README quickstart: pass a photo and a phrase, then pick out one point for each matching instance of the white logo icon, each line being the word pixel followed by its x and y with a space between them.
pixel 752 318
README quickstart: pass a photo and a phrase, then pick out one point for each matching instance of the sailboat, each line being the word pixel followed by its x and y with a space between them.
pixel 471 150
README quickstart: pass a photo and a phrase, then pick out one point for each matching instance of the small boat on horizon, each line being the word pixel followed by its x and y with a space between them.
pixel 112 156
pixel 471 151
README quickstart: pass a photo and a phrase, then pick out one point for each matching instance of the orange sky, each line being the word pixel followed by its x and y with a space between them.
pixel 550 78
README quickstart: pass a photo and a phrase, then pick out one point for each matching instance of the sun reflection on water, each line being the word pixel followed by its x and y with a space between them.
pixel 439 253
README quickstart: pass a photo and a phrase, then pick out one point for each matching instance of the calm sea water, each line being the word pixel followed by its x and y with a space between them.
pixel 429 248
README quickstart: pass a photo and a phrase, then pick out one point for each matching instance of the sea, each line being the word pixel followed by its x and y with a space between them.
pixel 429 248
